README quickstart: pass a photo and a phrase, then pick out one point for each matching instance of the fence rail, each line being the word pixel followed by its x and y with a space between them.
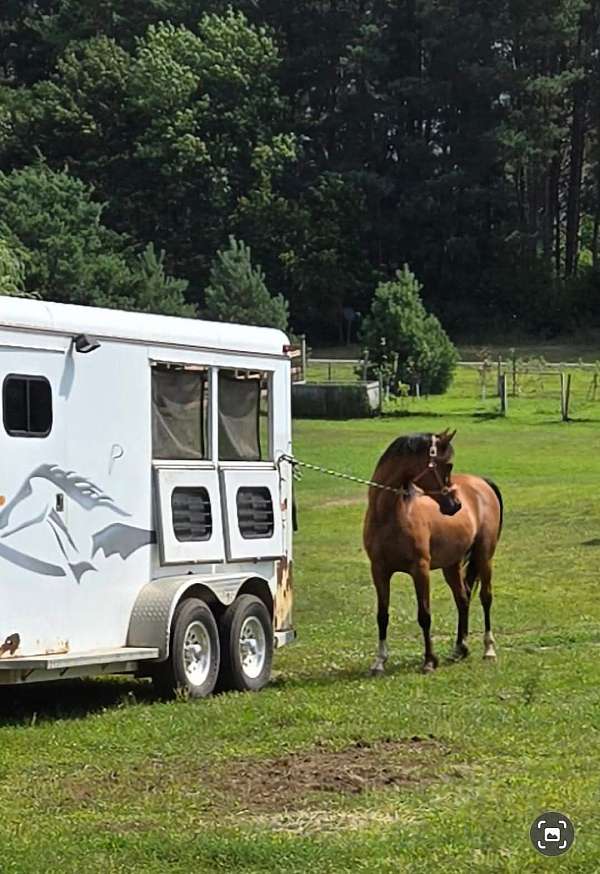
pixel 566 388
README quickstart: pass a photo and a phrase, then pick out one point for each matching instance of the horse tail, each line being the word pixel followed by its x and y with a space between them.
pixel 472 570
pixel 471 573
pixel 498 494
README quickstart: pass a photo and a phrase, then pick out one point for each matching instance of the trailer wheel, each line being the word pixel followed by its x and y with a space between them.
pixel 246 634
pixel 194 658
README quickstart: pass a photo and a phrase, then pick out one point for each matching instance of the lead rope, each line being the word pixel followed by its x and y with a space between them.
pixel 296 463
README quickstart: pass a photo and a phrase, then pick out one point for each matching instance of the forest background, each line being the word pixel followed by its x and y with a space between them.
pixel 339 140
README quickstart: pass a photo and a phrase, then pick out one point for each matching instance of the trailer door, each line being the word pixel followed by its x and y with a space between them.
pixel 249 478
pixel 39 560
pixel 190 523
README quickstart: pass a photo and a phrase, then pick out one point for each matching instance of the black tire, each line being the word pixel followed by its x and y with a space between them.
pixel 193 626
pixel 247 615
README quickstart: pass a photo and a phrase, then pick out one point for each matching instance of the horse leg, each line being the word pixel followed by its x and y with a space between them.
pixel 420 575
pixel 485 596
pixel 381 581
pixel 454 578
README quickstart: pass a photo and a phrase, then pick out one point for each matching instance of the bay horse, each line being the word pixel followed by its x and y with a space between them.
pixel 424 519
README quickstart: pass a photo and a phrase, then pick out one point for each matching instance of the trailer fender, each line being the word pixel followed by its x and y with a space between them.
pixel 152 614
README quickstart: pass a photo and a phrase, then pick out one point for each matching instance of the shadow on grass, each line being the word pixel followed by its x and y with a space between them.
pixel 396 667
pixel 483 416
pixel 489 415
pixel 72 699
pixel 77 699
pixel 595 541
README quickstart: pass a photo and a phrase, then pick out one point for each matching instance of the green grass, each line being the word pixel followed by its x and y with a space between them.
pixel 102 777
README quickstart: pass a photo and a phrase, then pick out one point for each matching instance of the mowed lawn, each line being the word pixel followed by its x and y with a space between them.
pixel 329 769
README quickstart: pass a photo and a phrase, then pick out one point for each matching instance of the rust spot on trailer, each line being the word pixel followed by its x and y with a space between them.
pixel 284 595
pixel 2 500
pixel 11 644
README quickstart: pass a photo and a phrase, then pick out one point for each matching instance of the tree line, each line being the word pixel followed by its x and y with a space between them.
pixel 339 139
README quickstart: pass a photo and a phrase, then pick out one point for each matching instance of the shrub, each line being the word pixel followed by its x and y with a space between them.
pixel 405 342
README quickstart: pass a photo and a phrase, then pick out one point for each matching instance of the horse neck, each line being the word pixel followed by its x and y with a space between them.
pixel 395 474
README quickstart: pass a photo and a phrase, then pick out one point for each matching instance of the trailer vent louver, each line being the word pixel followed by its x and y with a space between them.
pixel 255 512
pixel 192 514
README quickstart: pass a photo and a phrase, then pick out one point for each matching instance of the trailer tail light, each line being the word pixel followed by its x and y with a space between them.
pixel 2 500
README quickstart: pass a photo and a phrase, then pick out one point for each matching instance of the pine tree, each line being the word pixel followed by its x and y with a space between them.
pixel 237 291
pixel 405 342
pixel 157 292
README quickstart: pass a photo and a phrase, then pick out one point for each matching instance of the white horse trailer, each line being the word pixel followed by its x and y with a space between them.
pixel 145 510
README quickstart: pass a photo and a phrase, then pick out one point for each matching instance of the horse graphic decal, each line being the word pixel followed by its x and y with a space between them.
pixel 33 508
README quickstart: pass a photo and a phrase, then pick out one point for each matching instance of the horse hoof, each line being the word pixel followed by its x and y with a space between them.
pixel 377 671
pixel 428 668
pixel 460 652
pixel 489 656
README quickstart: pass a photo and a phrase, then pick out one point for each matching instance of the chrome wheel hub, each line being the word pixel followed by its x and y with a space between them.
pixel 197 652
pixel 253 647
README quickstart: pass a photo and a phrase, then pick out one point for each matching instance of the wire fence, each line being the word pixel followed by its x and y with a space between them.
pixel 565 389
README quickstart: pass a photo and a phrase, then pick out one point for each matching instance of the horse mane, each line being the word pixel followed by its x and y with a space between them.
pixel 407 444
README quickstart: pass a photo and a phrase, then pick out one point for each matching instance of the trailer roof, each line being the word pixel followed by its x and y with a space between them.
pixel 59 318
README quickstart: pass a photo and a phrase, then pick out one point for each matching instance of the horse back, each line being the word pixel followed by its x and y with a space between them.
pixel 484 498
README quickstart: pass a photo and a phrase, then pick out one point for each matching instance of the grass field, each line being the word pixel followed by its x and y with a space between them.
pixel 328 769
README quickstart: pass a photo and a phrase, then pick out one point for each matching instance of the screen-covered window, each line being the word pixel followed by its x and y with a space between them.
pixel 179 413
pixel 192 513
pixel 27 406
pixel 255 512
pixel 244 415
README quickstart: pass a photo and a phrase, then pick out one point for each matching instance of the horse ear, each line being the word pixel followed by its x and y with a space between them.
pixel 445 438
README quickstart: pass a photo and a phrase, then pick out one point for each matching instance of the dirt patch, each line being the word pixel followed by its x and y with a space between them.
pixel 286 782
pixel 298 781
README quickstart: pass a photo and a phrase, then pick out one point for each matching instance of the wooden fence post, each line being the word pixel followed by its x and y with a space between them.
pixel 514 373
pixel 503 395
pixel 565 395
pixel 303 342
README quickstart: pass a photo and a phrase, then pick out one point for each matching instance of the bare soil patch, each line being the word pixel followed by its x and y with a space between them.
pixel 288 781
pixel 295 781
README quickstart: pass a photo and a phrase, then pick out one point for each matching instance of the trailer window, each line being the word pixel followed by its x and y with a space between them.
pixel 255 512
pixel 192 513
pixel 244 415
pixel 179 413
pixel 27 406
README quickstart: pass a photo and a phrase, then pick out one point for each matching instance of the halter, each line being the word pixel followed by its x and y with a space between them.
pixel 433 468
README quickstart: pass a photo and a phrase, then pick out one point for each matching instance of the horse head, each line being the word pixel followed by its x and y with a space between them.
pixel 424 461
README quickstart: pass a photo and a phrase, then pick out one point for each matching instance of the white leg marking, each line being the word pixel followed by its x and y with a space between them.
pixel 489 650
pixel 378 665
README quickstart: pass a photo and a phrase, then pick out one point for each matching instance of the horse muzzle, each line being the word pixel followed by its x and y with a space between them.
pixel 450 505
